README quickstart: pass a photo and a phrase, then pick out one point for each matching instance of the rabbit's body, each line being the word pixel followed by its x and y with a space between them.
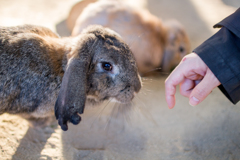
pixel 37 66
pixel 30 77
pixel 146 35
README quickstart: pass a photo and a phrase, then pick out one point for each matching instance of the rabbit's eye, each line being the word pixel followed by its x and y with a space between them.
pixel 107 66
pixel 181 49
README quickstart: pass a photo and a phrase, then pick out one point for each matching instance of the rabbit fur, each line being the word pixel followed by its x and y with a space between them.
pixel 38 70
pixel 154 43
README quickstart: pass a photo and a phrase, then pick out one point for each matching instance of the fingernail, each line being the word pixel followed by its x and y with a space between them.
pixel 193 101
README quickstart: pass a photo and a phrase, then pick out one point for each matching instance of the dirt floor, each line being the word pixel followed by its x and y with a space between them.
pixel 151 131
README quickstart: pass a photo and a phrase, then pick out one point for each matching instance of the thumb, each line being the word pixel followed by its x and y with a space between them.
pixel 204 88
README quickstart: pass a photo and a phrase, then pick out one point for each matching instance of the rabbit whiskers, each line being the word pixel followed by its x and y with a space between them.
pixel 143 110
pixel 116 113
pixel 133 41
pixel 158 70
pixel 123 113
pixel 120 112
pixel 99 114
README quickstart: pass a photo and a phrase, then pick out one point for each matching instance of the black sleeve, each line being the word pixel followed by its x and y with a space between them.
pixel 221 53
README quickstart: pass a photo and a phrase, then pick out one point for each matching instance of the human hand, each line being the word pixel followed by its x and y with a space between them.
pixel 195 78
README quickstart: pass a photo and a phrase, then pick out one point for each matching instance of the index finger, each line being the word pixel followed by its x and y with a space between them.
pixel 175 78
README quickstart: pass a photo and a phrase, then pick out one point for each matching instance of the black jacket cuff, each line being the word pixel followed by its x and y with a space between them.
pixel 221 53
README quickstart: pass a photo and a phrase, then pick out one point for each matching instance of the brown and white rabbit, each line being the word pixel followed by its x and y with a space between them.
pixel 154 44
pixel 38 68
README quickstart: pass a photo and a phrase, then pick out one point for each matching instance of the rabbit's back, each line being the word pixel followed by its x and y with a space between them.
pixel 27 76
pixel 142 31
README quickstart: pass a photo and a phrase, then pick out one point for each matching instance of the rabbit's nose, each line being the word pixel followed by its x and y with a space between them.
pixel 137 88
pixel 138 84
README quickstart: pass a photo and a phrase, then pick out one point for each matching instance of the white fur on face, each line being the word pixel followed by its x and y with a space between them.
pixel 115 100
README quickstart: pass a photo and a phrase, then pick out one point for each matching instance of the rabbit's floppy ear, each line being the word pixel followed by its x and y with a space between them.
pixel 72 95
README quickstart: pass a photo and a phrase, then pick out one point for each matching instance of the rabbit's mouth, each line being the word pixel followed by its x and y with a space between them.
pixel 124 98
pixel 115 100
pixel 93 100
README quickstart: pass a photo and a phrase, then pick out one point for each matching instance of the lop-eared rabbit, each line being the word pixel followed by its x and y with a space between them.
pixel 40 70
pixel 155 44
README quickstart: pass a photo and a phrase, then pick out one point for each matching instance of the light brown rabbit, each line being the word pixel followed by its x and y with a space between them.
pixel 154 43
pixel 38 70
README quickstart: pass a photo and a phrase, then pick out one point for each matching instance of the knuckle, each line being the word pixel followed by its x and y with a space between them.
pixel 200 93
pixel 183 93
pixel 170 89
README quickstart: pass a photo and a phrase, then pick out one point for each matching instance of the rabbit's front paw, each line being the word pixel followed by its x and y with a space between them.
pixel 65 114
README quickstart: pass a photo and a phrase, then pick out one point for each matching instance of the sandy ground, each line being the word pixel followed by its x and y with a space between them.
pixel 150 131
